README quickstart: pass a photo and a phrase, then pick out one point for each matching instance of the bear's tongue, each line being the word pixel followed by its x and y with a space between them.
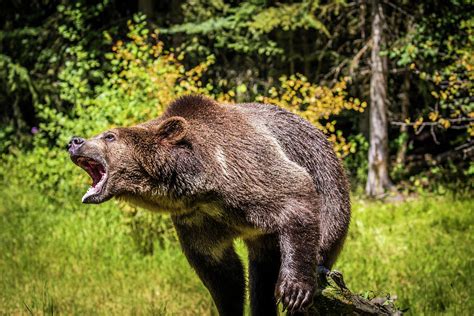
pixel 96 171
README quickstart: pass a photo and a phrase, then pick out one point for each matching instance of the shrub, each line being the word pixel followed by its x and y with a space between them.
pixel 318 104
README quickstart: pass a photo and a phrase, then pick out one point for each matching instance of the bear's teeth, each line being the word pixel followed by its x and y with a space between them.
pixel 93 190
pixel 90 191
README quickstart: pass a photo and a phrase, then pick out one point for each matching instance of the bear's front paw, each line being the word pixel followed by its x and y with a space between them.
pixel 295 294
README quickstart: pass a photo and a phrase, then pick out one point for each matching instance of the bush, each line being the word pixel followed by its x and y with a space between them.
pixel 318 104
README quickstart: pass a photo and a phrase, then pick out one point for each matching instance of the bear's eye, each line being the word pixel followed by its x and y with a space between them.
pixel 109 137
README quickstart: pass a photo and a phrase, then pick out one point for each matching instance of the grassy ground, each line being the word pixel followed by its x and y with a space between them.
pixel 84 262
pixel 420 250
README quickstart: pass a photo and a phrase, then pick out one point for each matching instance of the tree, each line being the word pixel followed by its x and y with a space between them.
pixel 378 180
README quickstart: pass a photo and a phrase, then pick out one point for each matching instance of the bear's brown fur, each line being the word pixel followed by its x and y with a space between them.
pixel 227 171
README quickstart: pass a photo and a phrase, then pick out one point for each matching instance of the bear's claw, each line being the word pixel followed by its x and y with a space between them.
pixel 295 296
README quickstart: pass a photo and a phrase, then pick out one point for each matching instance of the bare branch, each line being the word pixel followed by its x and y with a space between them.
pixel 456 120
pixel 433 134
pixel 358 56
pixel 398 9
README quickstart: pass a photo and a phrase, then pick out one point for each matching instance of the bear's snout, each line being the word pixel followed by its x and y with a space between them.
pixel 74 144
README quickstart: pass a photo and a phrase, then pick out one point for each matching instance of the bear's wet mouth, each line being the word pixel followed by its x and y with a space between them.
pixel 96 171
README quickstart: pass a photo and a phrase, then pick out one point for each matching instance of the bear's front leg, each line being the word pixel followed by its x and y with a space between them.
pixel 217 264
pixel 299 250
pixel 264 266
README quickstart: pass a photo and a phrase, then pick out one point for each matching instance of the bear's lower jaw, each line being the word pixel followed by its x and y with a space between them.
pixel 95 194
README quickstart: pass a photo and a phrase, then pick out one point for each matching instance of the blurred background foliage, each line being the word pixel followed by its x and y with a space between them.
pixel 79 67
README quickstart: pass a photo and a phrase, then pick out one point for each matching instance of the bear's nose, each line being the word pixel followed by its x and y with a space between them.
pixel 75 143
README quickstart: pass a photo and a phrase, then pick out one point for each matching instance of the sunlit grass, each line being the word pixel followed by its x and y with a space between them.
pixel 83 261
pixel 419 250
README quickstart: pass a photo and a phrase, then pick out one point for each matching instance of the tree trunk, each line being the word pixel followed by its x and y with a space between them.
pixel 378 180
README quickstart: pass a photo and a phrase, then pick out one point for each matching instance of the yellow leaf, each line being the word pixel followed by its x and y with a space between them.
pixel 433 116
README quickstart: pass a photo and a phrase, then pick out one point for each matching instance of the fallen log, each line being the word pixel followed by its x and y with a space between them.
pixel 334 298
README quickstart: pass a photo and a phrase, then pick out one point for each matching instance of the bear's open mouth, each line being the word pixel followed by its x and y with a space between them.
pixel 96 171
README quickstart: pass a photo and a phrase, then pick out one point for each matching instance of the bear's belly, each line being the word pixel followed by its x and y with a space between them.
pixel 157 204
pixel 202 214
pixel 197 214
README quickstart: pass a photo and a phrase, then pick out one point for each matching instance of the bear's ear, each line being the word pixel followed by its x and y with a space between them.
pixel 172 129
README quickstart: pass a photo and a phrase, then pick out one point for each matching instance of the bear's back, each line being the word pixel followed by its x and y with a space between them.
pixel 308 147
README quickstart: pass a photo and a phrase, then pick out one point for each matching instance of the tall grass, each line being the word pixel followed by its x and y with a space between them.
pixel 64 257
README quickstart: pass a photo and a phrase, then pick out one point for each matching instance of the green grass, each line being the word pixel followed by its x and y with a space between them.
pixel 420 250
pixel 64 257
pixel 84 262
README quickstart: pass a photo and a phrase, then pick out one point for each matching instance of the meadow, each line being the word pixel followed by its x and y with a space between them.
pixel 61 257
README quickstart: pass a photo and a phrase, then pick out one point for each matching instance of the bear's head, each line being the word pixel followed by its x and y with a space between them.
pixel 129 160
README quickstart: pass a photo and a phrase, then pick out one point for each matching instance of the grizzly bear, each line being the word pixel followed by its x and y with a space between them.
pixel 226 171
